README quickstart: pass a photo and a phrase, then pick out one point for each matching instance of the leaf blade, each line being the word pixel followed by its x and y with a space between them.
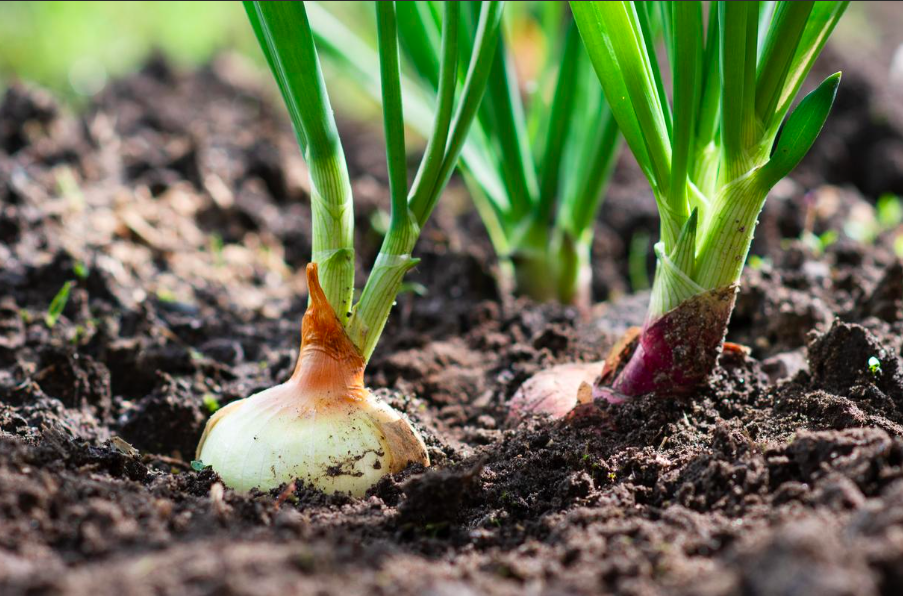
pixel 393 114
pixel 738 27
pixel 784 36
pixel 822 20
pixel 614 41
pixel 422 196
pixel 801 130
pixel 687 64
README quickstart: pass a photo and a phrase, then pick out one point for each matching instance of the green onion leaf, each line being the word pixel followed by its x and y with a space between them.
pixel 479 67
pixel 615 44
pixel 738 22
pixel 506 113
pixel 419 36
pixel 801 130
pixel 649 27
pixel 783 39
pixel 822 20
pixel 614 40
pixel 687 60
pixel 393 116
pixel 423 198
pixel 710 100
pixel 559 123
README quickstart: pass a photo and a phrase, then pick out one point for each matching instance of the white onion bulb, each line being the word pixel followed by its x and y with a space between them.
pixel 322 426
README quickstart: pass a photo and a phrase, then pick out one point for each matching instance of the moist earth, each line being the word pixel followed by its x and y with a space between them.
pixel 177 205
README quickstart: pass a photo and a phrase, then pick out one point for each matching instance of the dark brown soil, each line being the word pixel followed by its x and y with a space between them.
pixel 178 206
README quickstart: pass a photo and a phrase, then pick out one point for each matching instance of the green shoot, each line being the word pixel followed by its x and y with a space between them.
pixel 216 249
pixel 536 170
pixel 756 262
pixel 80 270
pixel 865 227
pixel 889 211
pixel 166 296
pixel 211 403
pixel 57 305
pixel 819 243
pixel 874 366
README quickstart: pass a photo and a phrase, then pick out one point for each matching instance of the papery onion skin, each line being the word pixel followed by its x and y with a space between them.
pixel 553 392
pixel 322 426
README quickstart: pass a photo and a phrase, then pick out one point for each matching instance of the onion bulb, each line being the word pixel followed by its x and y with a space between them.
pixel 554 391
pixel 322 426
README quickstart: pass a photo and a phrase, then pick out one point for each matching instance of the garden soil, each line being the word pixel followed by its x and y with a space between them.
pixel 177 205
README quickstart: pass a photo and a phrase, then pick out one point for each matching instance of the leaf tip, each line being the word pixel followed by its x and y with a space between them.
pixel 834 80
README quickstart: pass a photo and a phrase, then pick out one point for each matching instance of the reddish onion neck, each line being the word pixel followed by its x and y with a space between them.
pixel 673 354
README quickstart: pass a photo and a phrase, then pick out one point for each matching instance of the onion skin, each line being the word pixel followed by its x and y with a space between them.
pixel 553 392
pixel 673 354
pixel 322 426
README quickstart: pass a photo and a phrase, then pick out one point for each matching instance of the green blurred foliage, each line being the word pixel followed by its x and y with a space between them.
pixel 73 48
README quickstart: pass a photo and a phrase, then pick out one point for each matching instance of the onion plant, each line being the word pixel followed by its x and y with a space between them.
pixel 537 169
pixel 711 154
pixel 323 426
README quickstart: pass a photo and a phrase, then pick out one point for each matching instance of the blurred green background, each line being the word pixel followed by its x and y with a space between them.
pixel 74 48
